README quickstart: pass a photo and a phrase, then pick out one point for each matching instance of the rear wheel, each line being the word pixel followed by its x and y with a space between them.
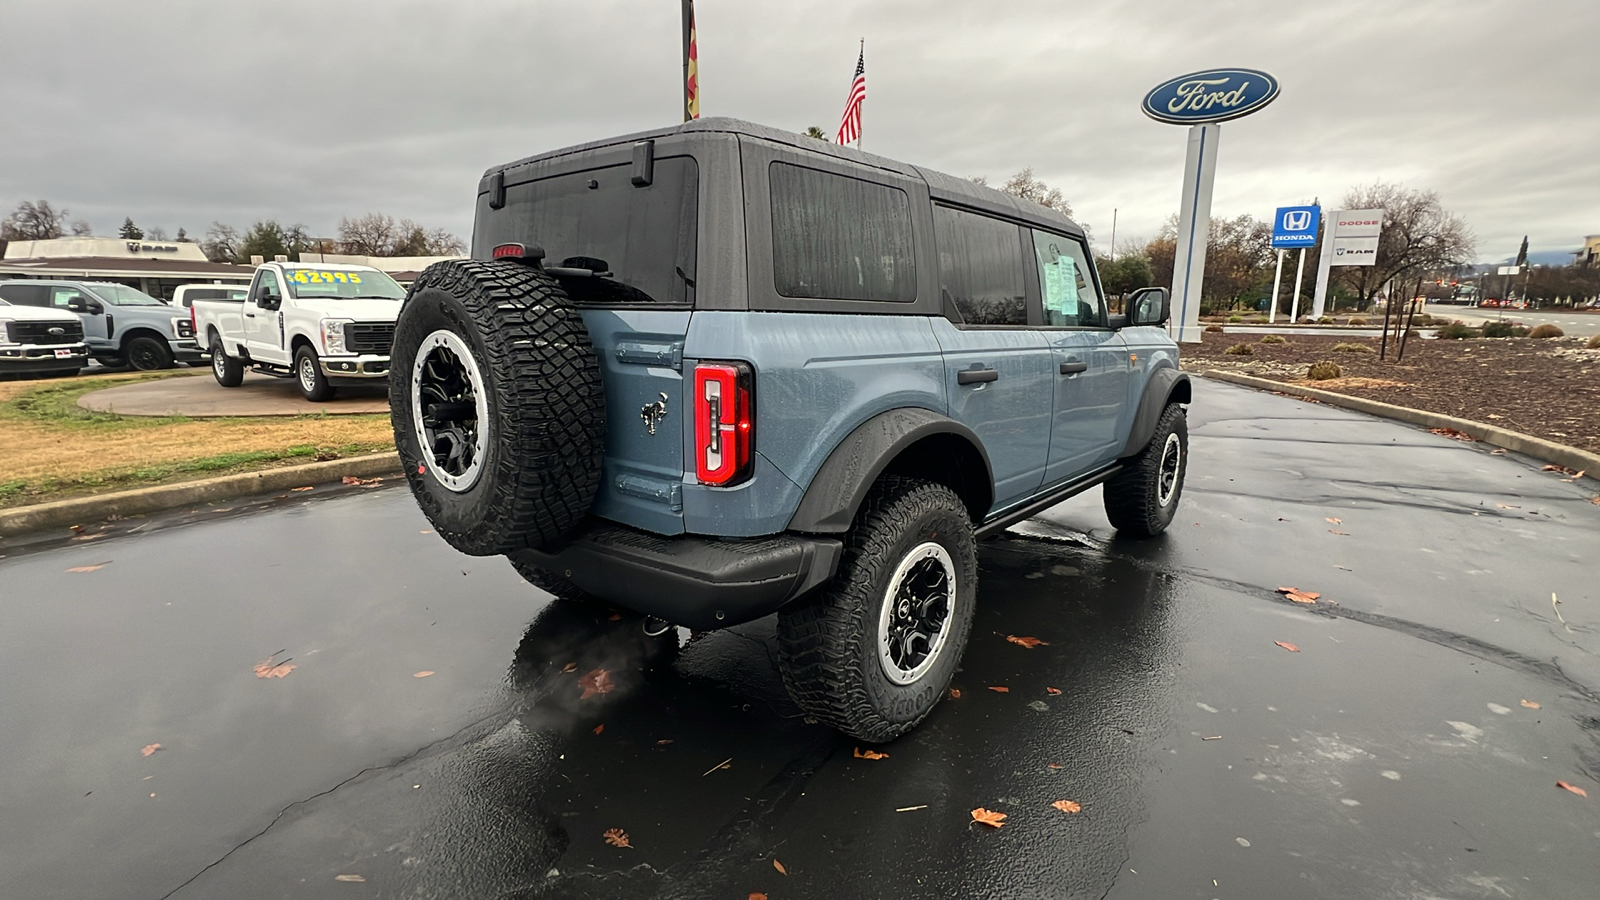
pixel 228 371
pixel 498 410
pixel 1142 499
pixel 308 374
pixel 872 653
pixel 147 354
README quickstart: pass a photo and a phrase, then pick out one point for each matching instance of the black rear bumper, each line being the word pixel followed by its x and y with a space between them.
pixel 700 582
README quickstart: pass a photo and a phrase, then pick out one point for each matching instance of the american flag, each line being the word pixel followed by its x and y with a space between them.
pixel 850 124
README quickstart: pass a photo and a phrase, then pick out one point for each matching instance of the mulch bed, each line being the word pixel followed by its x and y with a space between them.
pixel 1549 388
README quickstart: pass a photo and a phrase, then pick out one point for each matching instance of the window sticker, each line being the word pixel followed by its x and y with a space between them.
pixel 314 276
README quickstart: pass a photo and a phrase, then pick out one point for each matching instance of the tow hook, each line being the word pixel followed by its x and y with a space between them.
pixel 655 627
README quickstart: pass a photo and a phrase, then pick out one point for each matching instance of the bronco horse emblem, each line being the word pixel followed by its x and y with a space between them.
pixel 653 413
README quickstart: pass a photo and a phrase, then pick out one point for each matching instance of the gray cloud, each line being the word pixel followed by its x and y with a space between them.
pixel 178 113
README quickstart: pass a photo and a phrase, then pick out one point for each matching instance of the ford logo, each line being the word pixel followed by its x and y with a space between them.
pixel 1215 95
pixel 58 331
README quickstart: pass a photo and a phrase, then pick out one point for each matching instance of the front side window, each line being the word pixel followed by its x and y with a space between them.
pixel 61 296
pixel 265 292
pixel 366 284
pixel 980 267
pixel 1071 299
pixel 840 238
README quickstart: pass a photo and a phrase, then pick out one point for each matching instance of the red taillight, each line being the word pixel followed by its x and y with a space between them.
pixel 513 251
pixel 724 422
pixel 194 327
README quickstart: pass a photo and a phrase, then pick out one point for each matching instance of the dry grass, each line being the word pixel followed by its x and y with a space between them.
pixel 55 449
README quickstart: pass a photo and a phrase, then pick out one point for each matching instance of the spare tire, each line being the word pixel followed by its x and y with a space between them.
pixel 497 405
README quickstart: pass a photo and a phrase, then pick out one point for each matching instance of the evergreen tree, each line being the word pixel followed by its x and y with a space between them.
pixel 130 231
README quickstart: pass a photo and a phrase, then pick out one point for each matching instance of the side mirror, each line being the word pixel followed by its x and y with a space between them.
pixel 76 304
pixel 1149 306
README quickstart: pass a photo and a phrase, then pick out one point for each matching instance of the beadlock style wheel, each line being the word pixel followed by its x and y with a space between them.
pixel 450 409
pixel 915 620
pixel 1167 475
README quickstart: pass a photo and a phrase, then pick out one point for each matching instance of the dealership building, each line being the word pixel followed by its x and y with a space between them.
pixel 155 267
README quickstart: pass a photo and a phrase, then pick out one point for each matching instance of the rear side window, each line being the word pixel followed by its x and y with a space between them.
pixel 25 294
pixel 840 238
pixel 1070 297
pixel 980 267
pixel 621 243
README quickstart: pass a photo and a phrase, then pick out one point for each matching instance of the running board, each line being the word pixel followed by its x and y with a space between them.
pixel 1071 489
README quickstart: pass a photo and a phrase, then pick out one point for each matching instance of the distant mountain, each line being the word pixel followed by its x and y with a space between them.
pixel 1540 258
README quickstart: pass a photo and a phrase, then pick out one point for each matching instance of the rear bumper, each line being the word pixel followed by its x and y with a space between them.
pixel 42 357
pixel 699 582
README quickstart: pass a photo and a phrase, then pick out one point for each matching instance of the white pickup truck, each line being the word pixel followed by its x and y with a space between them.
pixel 318 323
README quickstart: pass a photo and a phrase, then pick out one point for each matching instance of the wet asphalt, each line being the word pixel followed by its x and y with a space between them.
pixel 1394 753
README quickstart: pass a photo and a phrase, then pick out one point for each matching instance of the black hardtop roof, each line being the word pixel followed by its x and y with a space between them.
pixel 942 187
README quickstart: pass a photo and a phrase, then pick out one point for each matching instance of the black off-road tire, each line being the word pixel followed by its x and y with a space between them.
pixel 309 377
pixel 828 644
pixel 147 354
pixel 1142 499
pixel 228 371
pixel 545 423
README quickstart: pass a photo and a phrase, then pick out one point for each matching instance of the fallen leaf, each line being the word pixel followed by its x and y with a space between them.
pixel 299 489
pixel 1507 506
pixel 1067 806
pixel 570 667
pixel 1054 692
pixel 1332 521
pixel 1595 500
pixel 350 479
pixel 1573 788
pixel 616 837
pixel 423 674
pixel 363 482
pixel 663 742
pixel 955 693
pixel 269 669
pixel 614 617
pixel 992 819
pixel 1029 642
pixel 757 895
pixel 1338 532
pixel 356 878
pixel 1000 690
pixel 1530 704
pixel 779 866
pixel 1453 433
pixel 1497 453
pixel 1299 596
pixel 599 728
pixel 149 749
pixel 870 754
pixel 1289 647
pixel 597 681
pixel 1052 765
pixel 92 568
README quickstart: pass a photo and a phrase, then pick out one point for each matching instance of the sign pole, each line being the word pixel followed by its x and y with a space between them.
pixel 1194 228
pixel 1277 285
pixel 1299 278
pixel 1319 295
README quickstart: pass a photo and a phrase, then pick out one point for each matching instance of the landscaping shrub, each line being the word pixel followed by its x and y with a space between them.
pixel 1346 347
pixel 1546 331
pixel 1358 320
pixel 1214 329
pixel 1323 371
pixel 1455 331
pixel 1236 319
pixel 1594 343
pixel 1325 320
pixel 1273 339
pixel 1503 330
pixel 1239 350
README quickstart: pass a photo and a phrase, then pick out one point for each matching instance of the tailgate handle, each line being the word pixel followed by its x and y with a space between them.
pixel 651 354
pixel 1073 367
pixel 977 376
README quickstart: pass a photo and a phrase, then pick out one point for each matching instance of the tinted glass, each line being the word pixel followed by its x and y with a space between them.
pixel 122 295
pixel 1068 289
pixel 840 238
pixel 26 294
pixel 640 240
pixel 980 267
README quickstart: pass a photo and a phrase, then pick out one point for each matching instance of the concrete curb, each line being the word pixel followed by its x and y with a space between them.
pixel 1526 444
pixel 79 510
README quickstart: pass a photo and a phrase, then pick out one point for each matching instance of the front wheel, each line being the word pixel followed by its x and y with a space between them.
pixel 872 653
pixel 1142 499
pixel 314 385
pixel 146 354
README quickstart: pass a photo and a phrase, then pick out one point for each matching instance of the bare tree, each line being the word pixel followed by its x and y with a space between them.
pixel 34 221
pixel 81 228
pixel 373 234
pixel 221 243
pixel 1027 187
pixel 156 234
pixel 1418 236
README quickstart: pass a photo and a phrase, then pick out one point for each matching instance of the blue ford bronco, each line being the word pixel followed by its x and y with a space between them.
pixel 718 371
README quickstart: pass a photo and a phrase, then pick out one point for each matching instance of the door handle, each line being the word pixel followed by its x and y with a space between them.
pixel 976 376
pixel 1073 367
pixel 249 315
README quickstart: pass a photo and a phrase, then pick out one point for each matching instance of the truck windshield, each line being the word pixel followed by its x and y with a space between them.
pixel 610 241
pixel 122 295
pixel 363 284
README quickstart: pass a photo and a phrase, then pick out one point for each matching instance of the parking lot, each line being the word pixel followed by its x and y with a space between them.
pixel 1401 736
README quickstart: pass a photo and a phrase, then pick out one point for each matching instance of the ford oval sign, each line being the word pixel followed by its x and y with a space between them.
pixel 1215 95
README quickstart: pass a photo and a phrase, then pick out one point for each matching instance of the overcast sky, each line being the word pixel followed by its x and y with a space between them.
pixel 181 113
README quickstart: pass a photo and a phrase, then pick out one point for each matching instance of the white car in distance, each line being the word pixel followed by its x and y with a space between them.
pixel 321 324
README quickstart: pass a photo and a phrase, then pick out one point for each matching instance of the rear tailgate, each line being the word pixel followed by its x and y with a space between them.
pixel 641 361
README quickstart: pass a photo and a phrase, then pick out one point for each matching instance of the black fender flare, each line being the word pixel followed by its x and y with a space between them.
pixel 1166 385
pixel 841 484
